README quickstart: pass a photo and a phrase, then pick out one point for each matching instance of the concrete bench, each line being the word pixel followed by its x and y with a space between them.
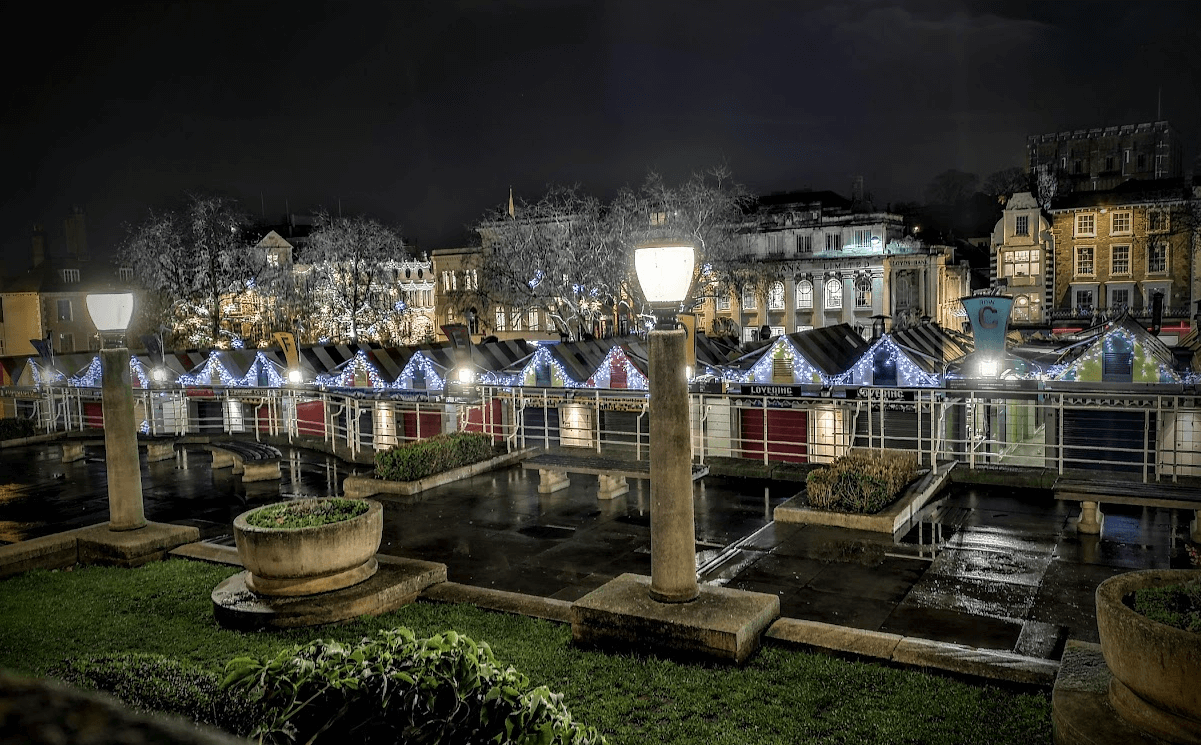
pixel 1092 494
pixel 254 461
pixel 612 473
pixel 157 448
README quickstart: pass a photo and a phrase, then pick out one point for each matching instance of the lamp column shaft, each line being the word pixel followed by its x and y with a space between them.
pixel 673 532
pixel 121 443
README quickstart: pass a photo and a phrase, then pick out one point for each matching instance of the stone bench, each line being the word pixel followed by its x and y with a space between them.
pixel 253 461
pixel 1091 495
pixel 157 448
pixel 611 473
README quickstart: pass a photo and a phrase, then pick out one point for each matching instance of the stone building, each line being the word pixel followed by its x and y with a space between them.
pixel 1020 260
pixel 458 299
pixel 1103 157
pixel 1118 249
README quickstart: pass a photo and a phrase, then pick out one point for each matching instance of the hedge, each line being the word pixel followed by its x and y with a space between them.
pixel 11 429
pixel 416 460
pixel 862 481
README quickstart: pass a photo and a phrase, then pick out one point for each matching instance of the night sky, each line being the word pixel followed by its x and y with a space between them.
pixel 423 114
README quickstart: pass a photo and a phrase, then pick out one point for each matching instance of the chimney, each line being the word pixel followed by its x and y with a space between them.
pixel 39 245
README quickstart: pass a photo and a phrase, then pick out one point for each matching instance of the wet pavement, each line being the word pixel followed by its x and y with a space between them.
pixel 991 567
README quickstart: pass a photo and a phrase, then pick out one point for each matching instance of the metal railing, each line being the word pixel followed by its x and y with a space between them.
pixel 1150 436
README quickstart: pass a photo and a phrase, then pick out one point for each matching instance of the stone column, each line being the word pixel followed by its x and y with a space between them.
pixel 1090 518
pixel 673 532
pixel 121 443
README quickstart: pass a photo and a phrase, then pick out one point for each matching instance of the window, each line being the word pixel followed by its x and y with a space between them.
pixel 834 294
pixel 70 275
pixel 723 301
pixel 1119 260
pixel 834 241
pixel 1086 224
pixel 1084 261
pixel 1084 300
pixel 125 274
pixel 446 281
pixel 750 334
pixel 775 296
pixel 515 314
pixel 863 292
pixel 1077 166
pixel 66 343
pixel 1119 223
pixel 803 328
pixel 804 244
pixel 1119 299
pixel 1142 161
pixel 777 331
pixel 748 300
pixel 863 238
pixel 1021 225
pixel 1157 257
pixel 534 321
pixel 500 320
pixel 1020 263
pixel 804 294
pixel 450 315
pixel 1109 162
pixel 1021 308
pixel 1157 221
pixel 64 310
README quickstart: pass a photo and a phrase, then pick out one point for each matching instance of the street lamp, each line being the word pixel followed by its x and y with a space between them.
pixel 111 313
pixel 665 271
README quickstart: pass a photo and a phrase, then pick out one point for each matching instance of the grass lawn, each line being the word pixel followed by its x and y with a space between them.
pixel 781 696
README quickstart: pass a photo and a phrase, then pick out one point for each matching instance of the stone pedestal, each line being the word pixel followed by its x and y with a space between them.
pixel 268 471
pixel 222 459
pixel 125 511
pixel 1091 518
pixel 610 487
pixel 720 624
pixel 101 544
pixel 72 451
pixel 158 451
pixel 396 583
pixel 552 481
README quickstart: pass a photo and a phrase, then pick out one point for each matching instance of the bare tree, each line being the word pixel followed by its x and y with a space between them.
pixel 193 263
pixel 1006 182
pixel 352 279
pixel 951 187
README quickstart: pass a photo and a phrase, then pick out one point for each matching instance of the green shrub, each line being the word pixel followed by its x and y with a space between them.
pixel 397 688
pixel 11 429
pixel 415 460
pixel 306 513
pixel 862 481
pixel 160 684
pixel 1176 605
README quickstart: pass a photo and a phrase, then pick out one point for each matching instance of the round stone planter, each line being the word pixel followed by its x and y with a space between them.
pixel 306 561
pixel 1156 668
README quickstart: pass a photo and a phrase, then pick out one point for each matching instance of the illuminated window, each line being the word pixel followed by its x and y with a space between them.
pixel 533 321
pixel 1119 223
pixel 723 301
pixel 775 296
pixel 1084 261
pixel 1019 263
pixel 863 238
pixel 70 275
pixel 748 300
pixel 834 294
pixel 1021 308
pixel 1021 225
pixel 1157 257
pixel 803 328
pixel 834 241
pixel 515 314
pixel 500 320
pixel 125 274
pixel 1119 260
pixel 1086 224
pixel 804 244
pixel 863 292
pixel 804 294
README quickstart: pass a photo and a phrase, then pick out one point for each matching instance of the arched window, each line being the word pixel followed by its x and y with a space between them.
pixel 804 294
pixel 775 296
pixel 863 292
pixel 834 293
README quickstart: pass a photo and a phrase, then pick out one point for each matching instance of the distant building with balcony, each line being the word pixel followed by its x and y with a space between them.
pixel 822 260
pixel 1020 261
pixel 1119 249
pixel 1101 158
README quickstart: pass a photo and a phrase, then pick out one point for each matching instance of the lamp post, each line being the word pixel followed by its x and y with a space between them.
pixel 665 271
pixel 111 313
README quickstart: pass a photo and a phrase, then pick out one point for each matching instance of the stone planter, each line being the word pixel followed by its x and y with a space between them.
pixel 1156 668
pixel 306 561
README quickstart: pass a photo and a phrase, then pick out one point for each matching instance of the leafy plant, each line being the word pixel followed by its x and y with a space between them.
pixel 151 682
pixel 11 429
pixel 306 513
pixel 1177 605
pixel 415 460
pixel 397 688
pixel 862 481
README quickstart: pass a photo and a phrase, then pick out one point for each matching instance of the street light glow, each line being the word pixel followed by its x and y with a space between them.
pixel 665 271
pixel 111 311
pixel 295 377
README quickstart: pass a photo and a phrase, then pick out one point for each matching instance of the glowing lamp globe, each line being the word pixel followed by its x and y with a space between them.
pixel 111 311
pixel 665 272
pixel 295 377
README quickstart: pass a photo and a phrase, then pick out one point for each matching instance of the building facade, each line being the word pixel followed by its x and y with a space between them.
pixel 1103 157
pixel 1020 260
pixel 1119 249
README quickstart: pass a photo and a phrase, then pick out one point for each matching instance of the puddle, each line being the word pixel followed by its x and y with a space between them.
pixel 548 532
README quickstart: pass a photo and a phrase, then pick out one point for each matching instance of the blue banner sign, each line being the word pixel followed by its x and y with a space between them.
pixel 989 316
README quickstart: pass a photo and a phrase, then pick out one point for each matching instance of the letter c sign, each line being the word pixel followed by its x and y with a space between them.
pixel 991 321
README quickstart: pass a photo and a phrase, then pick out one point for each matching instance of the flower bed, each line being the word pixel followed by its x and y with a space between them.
pixel 306 514
pixel 416 460
pixel 862 481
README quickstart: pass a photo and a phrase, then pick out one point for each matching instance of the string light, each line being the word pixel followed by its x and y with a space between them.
pixel 761 371
pixel 360 363
pixel 529 376
pixel 909 375
pixel 419 362
pixel 603 376
pixel 205 376
pixel 93 375
pixel 1089 366
pixel 45 376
